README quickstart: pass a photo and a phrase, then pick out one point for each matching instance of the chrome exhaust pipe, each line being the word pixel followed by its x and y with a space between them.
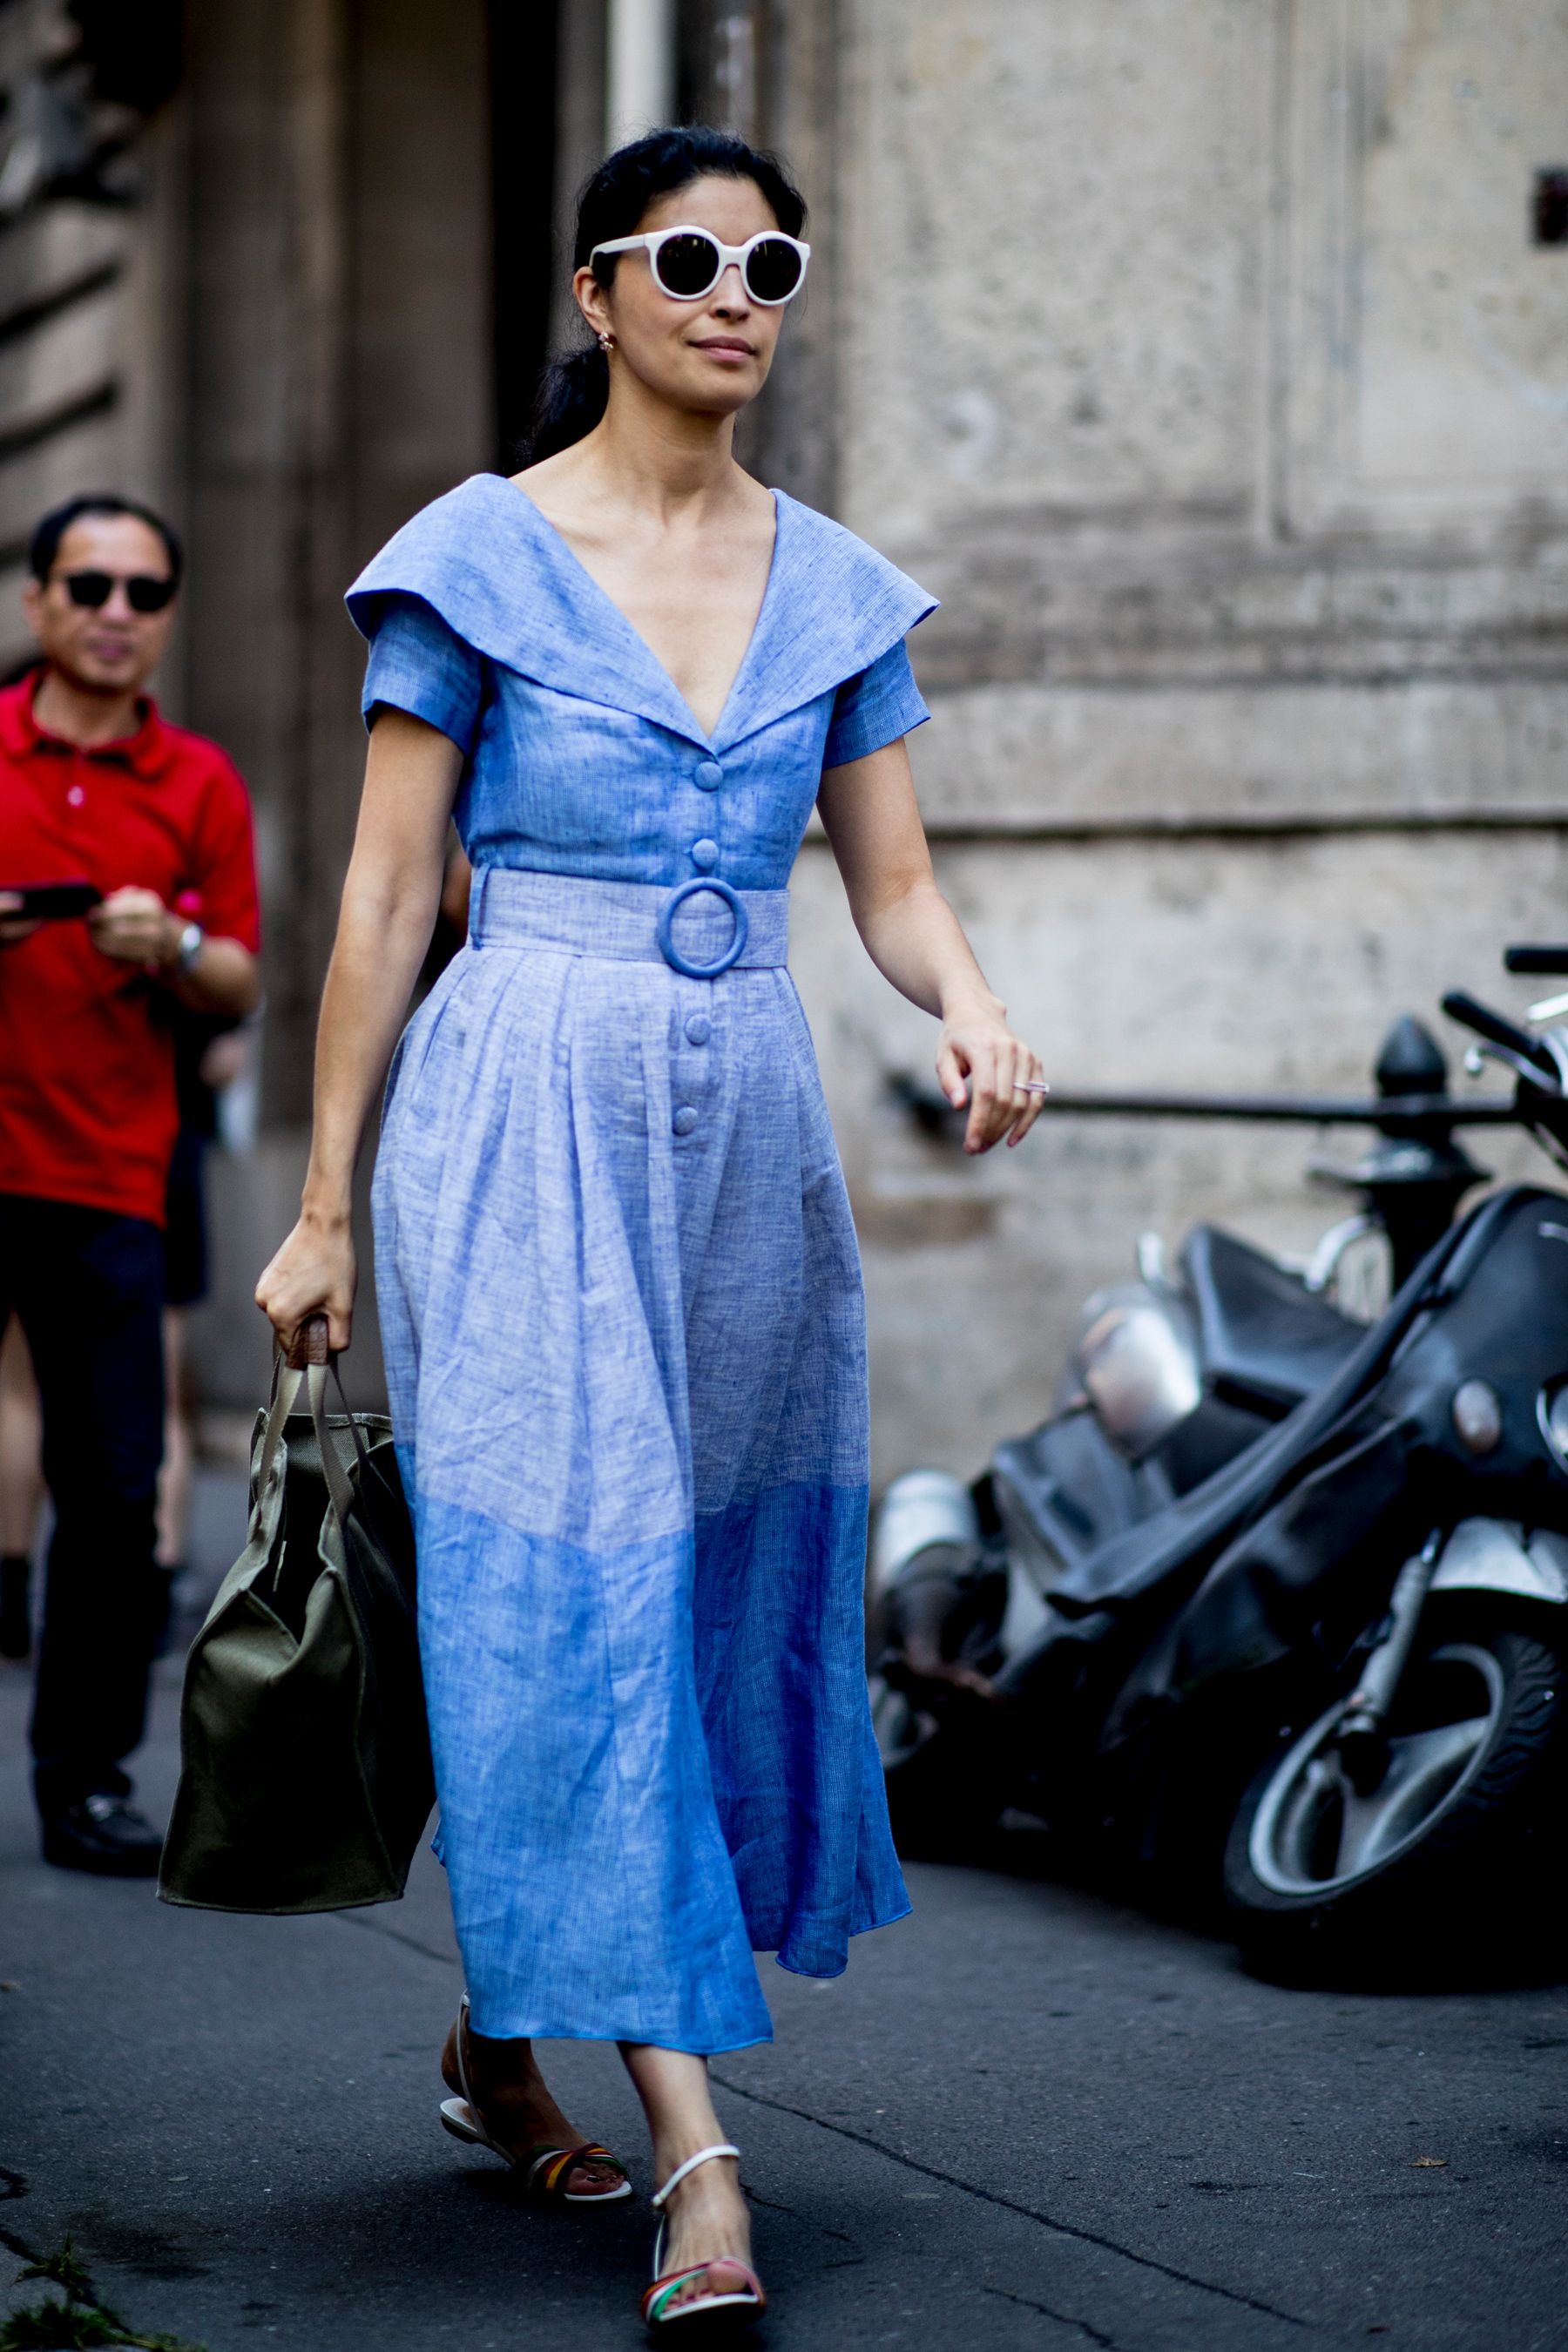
pixel 919 1510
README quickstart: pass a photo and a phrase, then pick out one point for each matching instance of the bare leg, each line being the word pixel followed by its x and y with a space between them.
pixel 517 2109
pixel 174 1478
pixel 21 1489
pixel 707 2216
pixel 21 1429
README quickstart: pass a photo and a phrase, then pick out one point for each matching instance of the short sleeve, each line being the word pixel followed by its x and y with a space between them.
pixel 223 861
pixel 419 664
pixel 874 707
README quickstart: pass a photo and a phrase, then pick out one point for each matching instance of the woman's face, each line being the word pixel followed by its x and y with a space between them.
pixel 712 356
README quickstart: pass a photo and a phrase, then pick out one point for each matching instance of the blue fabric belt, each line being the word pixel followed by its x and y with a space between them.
pixel 702 927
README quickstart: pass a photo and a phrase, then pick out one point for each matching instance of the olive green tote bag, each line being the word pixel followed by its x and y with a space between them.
pixel 305 1778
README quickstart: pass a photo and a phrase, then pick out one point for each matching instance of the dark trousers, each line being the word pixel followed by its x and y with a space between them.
pixel 87 1286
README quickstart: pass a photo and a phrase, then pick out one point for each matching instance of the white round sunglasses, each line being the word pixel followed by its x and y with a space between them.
pixel 687 263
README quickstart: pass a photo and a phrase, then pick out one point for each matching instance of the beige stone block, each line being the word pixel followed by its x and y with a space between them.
pixel 64 359
pixel 1426 371
pixel 1015 757
pixel 84 457
pixel 54 248
pixel 1052 256
pixel 1186 610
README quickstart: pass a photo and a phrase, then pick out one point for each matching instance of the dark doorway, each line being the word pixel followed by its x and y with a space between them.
pixel 524 45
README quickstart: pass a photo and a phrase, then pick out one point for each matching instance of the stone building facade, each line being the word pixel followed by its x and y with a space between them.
pixel 1208 358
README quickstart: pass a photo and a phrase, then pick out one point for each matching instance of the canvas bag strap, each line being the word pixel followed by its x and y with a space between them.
pixel 311 1347
pixel 279 1405
pixel 306 1366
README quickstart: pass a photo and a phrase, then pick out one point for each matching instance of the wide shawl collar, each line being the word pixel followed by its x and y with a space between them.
pixel 486 560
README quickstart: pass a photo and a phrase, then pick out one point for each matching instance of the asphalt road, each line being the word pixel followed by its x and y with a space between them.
pixel 1024 2118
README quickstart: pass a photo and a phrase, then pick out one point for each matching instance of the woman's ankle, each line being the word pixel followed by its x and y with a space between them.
pixel 707 2217
pixel 504 2065
pixel 712 2185
pixel 498 2072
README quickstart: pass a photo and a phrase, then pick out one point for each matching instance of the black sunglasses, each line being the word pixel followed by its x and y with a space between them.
pixel 145 592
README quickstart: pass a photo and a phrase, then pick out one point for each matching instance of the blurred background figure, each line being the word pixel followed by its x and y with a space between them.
pixel 209 1055
pixel 126 891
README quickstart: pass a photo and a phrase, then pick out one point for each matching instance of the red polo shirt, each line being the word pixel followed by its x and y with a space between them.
pixel 87 1065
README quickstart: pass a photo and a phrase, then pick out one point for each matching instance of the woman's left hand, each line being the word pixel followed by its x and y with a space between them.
pixel 979 1060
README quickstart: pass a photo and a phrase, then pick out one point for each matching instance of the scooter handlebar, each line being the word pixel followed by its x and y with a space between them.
pixel 1548 963
pixel 1498 1030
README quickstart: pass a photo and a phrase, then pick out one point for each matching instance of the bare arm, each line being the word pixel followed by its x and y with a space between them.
pixel 388 912
pixel 916 941
pixel 223 979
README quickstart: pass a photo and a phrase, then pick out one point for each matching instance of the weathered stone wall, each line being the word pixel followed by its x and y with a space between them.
pixel 90 291
pixel 1196 352
pixel 340 339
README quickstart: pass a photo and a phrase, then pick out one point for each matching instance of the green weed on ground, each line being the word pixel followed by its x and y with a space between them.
pixel 80 2321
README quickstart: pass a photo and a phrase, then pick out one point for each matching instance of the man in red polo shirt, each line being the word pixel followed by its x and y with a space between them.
pixel 95 788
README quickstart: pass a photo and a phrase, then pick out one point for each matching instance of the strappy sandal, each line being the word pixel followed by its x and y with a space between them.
pixel 546 2170
pixel 740 2305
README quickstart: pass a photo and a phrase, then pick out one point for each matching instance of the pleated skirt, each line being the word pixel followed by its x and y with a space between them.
pixel 624 1326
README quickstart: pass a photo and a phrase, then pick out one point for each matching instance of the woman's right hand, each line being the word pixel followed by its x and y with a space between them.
pixel 314 1272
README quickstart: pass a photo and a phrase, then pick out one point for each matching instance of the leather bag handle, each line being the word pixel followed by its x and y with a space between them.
pixel 310 1344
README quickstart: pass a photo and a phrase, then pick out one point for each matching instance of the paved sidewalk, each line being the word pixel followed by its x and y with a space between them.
pixel 1024 2117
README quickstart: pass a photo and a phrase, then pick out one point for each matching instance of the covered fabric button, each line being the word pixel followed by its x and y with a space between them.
pixel 707 775
pixel 699 1028
pixel 705 853
pixel 685 1120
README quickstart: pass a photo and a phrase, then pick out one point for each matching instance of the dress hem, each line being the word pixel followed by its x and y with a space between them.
pixel 826 1976
pixel 555 2032
pixel 558 2032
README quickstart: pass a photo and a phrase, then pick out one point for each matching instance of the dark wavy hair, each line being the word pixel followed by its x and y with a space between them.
pixel 47 533
pixel 576 385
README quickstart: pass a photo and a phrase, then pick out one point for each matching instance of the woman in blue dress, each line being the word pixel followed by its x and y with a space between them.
pixel 618 1284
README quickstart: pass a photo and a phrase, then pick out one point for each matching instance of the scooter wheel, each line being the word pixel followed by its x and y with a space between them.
pixel 1448 1843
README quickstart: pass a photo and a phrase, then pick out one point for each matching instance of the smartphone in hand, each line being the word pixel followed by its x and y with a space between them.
pixel 50 902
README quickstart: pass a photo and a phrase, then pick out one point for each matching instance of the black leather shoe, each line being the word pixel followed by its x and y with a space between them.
pixel 103 1834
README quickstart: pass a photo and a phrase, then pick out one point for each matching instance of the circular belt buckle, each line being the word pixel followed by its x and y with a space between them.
pixel 666 913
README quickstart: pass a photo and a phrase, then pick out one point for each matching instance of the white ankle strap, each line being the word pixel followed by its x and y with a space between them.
pixel 462 2065
pixel 703 2155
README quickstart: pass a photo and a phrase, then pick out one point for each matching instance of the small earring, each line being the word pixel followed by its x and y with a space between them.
pixel 606 344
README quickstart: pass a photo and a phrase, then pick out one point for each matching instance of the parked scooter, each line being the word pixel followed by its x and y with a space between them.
pixel 1277 1598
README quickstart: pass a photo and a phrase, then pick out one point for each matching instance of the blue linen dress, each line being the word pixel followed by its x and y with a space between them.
pixel 620 1293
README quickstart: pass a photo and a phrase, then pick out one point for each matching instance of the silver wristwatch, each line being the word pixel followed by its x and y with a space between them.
pixel 192 939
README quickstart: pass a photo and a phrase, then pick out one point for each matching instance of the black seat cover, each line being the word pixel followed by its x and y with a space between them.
pixel 1265 1341
pixel 1184 1540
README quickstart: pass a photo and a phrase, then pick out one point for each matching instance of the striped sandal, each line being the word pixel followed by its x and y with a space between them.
pixel 739 2306
pixel 545 2169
